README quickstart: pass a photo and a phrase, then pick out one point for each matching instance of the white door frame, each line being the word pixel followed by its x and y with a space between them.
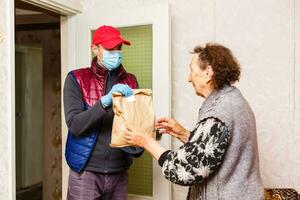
pixel 7 86
pixel 62 7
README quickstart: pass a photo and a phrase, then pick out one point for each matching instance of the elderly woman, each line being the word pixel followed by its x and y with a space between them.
pixel 219 157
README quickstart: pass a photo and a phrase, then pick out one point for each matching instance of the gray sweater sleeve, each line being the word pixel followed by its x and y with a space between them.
pixel 79 119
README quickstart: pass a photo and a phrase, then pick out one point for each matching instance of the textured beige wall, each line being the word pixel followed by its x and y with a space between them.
pixel 261 33
pixel 262 36
pixel 296 136
pixel 6 101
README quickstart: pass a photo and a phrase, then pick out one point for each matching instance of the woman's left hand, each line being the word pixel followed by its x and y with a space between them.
pixel 136 137
pixel 170 126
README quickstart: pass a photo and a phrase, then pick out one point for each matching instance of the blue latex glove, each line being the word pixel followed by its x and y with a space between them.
pixel 122 88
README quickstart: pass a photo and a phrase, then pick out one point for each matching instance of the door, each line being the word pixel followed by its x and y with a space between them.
pixel 78 30
pixel 29 116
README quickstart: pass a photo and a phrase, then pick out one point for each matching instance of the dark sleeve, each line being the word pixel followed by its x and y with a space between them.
pixel 134 151
pixel 200 157
pixel 163 157
pixel 79 119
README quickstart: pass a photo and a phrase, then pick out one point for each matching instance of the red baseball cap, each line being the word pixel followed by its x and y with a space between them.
pixel 108 37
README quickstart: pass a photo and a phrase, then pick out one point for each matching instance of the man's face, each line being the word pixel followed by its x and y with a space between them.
pixel 98 50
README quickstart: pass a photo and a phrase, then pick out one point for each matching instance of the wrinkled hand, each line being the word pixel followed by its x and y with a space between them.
pixel 122 88
pixel 135 136
pixel 171 126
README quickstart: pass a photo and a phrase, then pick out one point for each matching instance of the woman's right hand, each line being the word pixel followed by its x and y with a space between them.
pixel 170 126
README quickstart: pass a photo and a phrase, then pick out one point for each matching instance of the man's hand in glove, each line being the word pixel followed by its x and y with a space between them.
pixel 122 88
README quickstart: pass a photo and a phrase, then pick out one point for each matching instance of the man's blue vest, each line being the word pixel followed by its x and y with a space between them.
pixel 91 82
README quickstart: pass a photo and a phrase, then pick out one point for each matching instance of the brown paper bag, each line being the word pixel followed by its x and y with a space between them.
pixel 136 111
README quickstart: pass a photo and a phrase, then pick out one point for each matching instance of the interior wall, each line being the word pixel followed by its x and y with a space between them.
pixel 262 36
pixel 50 42
pixel 296 136
pixel 265 45
pixel 7 114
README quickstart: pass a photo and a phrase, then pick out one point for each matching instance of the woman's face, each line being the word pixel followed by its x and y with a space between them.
pixel 199 78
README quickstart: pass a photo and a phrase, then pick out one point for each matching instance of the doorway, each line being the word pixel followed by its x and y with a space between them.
pixel 38 103
pixel 135 21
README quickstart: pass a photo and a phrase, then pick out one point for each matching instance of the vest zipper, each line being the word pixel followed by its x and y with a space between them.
pixel 108 155
pixel 105 83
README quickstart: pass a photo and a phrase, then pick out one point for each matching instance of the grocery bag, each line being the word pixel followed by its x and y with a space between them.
pixel 136 111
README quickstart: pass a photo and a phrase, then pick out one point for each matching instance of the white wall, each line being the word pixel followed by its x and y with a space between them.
pixel 7 112
pixel 261 33
pixel 262 36
pixel 296 136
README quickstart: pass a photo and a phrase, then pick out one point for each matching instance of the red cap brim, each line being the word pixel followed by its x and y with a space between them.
pixel 113 43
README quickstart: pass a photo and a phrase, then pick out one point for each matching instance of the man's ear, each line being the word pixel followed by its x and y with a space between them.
pixel 95 49
pixel 209 73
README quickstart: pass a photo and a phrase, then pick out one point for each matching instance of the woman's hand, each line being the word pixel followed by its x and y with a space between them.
pixel 172 127
pixel 136 137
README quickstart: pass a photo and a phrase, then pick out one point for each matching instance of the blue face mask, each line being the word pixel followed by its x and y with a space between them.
pixel 112 59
